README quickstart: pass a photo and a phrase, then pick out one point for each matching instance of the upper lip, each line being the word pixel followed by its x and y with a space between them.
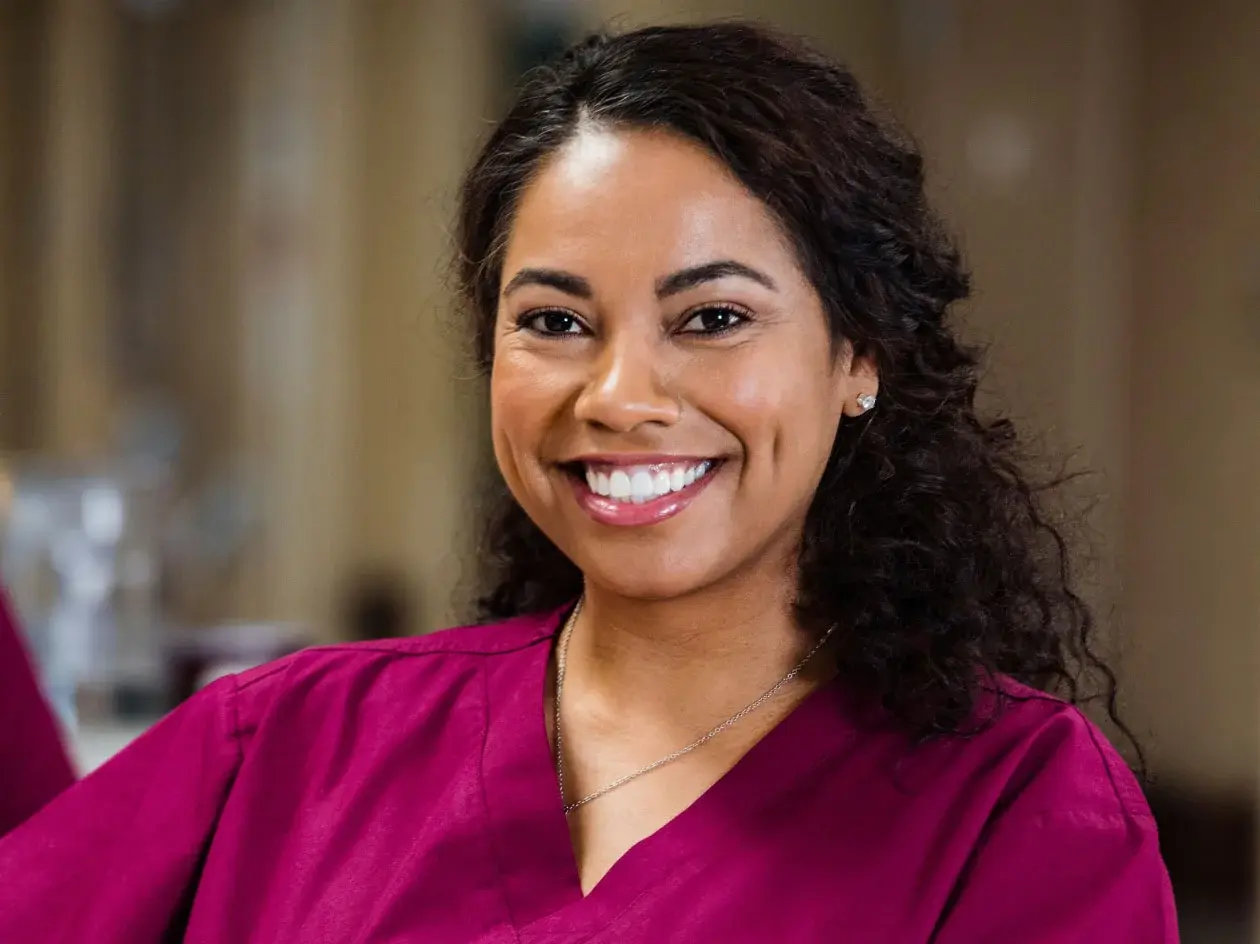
pixel 629 459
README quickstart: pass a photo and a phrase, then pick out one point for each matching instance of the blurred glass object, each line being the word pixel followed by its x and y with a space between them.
pixel 80 556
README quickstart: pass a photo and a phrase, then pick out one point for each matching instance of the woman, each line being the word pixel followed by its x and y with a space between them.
pixel 766 600
pixel 33 763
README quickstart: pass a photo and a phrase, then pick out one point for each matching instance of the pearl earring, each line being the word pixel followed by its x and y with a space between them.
pixel 867 402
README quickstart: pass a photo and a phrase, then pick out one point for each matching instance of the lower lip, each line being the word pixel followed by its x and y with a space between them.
pixel 629 515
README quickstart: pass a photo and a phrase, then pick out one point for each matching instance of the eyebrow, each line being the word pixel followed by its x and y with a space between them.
pixel 672 284
pixel 685 279
pixel 550 278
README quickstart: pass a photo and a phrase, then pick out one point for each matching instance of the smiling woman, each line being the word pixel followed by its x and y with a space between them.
pixel 767 607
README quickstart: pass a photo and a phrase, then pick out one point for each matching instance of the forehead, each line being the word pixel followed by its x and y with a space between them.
pixel 641 202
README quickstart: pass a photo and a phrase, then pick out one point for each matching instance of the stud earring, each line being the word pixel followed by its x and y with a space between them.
pixel 867 402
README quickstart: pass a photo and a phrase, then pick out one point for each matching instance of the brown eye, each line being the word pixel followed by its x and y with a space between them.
pixel 715 319
pixel 552 322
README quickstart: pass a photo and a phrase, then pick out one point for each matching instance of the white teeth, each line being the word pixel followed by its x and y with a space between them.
pixel 619 485
pixel 639 484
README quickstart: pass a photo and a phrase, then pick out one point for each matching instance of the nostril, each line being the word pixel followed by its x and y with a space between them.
pixel 622 414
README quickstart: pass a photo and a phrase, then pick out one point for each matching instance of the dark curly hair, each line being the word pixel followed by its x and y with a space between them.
pixel 926 541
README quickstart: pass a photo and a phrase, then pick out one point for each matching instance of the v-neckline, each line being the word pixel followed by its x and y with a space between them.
pixel 529 830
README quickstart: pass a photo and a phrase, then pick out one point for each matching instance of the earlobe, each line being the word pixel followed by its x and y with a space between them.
pixel 863 385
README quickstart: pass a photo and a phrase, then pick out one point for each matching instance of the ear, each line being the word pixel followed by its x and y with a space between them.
pixel 857 382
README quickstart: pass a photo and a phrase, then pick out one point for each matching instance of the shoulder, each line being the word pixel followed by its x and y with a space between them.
pixel 1060 762
pixel 429 652
pixel 1033 755
pixel 419 667
pixel 1058 834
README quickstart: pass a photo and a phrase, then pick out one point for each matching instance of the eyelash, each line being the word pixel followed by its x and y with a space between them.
pixel 738 317
pixel 530 321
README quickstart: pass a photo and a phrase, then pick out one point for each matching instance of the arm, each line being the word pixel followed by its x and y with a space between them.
pixel 115 858
pixel 33 763
pixel 1069 877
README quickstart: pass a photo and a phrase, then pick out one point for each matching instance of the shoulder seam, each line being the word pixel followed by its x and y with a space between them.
pixel 1120 796
pixel 436 650
pixel 283 665
pixel 1123 819
pixel 231 709
pixel 233 712
pixel 1127 810
pixel 274 669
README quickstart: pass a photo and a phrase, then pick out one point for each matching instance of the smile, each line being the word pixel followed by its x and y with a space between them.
pixel 636 492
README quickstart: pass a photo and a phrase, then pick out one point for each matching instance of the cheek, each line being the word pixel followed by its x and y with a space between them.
pixel 524 402
pixel 759 394
pixel 510 416
pixel 778 398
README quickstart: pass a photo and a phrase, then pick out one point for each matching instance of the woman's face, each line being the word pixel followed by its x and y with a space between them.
pixel 664 392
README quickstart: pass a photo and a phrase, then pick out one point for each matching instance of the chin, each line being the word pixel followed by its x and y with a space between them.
pixel 651 583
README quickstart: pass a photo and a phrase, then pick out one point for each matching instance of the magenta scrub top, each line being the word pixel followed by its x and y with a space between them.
pixel 33 763
pixel 404 791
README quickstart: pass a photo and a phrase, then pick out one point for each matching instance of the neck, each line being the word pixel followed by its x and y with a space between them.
pixel 717 646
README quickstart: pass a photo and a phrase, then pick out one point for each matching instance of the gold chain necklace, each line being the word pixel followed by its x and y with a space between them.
pixel 561 660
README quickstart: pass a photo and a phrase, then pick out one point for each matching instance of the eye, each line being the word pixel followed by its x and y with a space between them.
pixel 714 319
pixel 553 321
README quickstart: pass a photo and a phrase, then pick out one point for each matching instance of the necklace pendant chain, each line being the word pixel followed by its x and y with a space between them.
pixel 561 662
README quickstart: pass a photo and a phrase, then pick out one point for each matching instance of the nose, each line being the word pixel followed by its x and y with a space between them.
pixel 625 389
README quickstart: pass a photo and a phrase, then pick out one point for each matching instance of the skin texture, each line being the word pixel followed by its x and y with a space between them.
pixel 688 619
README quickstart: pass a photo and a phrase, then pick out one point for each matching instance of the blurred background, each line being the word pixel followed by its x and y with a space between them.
pixel 236 418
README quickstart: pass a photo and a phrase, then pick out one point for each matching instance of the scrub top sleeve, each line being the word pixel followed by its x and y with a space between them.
pixel 116 857
pixel 1070 877
pixel 34 766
